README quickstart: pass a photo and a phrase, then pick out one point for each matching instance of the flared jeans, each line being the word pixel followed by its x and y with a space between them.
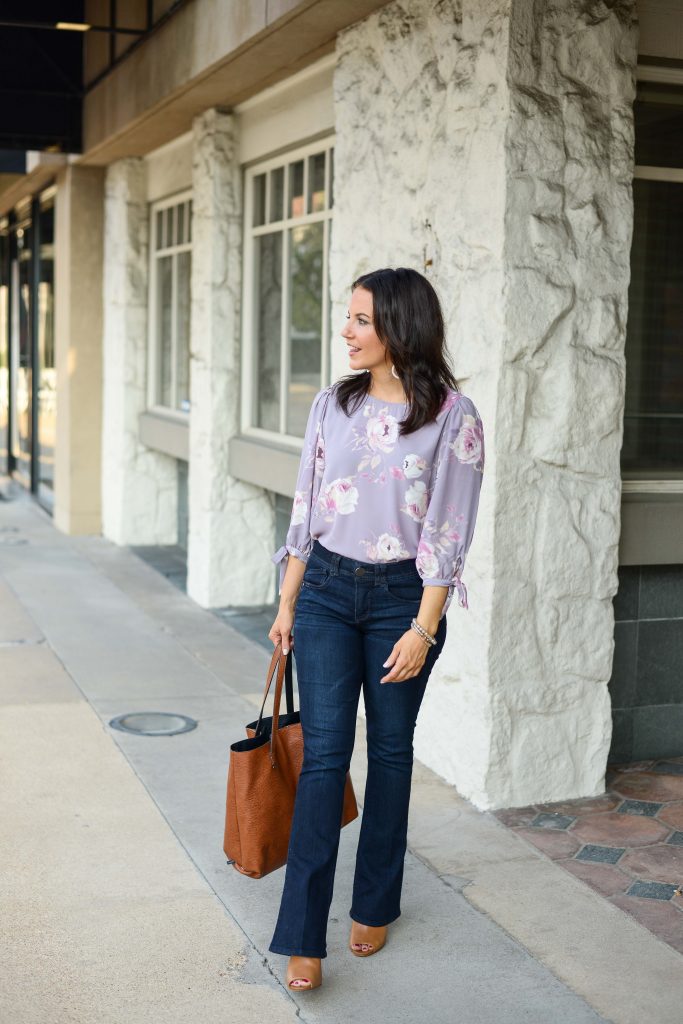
pixel 348 617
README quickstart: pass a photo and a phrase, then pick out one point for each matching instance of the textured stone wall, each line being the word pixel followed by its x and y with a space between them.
pixel 231 523
pixel 490 143
pixel 139 486
pixel 561 395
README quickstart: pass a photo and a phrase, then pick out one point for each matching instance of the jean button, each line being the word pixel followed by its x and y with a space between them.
pixel 360 571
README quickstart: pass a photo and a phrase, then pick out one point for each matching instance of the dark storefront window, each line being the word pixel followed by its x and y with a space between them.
pixel 47 379
pixel 28 396
pixel 20 335
pixel 4 348
pixel 653 422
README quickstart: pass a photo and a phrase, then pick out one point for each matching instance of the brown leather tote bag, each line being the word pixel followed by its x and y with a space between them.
pixel 262 779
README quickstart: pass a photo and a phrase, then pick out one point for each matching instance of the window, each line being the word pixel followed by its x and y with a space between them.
pixel 286 308
pixel 169 312
pixel 653 420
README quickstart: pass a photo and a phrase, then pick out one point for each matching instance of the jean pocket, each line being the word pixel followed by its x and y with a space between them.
pixel 316 577
pixel 405 591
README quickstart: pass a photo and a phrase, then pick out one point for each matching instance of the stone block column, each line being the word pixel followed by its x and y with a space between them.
pixel 502 132
pixel 231 524
pixel 79 214
pixel 139 486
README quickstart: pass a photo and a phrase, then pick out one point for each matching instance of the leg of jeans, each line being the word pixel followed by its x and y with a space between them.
pixel 391 713
pixel 329 653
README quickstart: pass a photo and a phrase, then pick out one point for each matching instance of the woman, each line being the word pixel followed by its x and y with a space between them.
pixel 384 512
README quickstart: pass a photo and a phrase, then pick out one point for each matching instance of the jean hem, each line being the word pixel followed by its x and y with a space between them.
pixel 361 919
pixel 291 951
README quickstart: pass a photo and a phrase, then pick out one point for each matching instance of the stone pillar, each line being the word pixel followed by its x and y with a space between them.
pixel 139 486
pixel 231 524
pixel 505 130
pixel 79 210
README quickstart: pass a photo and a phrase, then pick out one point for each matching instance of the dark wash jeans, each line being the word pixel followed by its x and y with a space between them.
pixel 348 616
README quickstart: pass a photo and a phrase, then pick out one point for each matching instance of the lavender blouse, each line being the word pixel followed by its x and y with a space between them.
pixel 367 492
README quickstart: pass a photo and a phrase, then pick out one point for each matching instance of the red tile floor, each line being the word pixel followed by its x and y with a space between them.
pixel 626 844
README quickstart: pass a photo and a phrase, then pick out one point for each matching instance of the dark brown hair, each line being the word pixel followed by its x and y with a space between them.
pixel 407 318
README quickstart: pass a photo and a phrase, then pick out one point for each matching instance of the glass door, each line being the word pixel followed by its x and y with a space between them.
pixel 4 348
pixel 46 382
pixel 20 342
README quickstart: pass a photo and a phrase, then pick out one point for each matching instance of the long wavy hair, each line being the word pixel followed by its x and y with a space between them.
pixel 408 320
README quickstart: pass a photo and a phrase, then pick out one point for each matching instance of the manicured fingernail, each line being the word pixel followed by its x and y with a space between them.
pixel 385 665
pixel 285 650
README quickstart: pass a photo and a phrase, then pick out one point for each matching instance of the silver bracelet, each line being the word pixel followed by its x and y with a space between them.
pixel 427 637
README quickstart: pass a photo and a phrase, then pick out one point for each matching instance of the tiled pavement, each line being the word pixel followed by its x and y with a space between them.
pixel 627 844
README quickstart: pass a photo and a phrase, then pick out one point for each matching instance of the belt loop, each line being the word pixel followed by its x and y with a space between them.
pixel 335 563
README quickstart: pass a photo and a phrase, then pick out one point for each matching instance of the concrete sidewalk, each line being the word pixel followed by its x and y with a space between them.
pixel 118 905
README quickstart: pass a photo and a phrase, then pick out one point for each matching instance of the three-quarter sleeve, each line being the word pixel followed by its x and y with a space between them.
pixel 298 541
pixel 451 514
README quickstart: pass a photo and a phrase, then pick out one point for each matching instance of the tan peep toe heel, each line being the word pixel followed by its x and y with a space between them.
pixel 365 941
pixel 304 974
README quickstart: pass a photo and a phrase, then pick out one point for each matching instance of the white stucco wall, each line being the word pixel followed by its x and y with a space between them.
pixel 139 486
pixel 494 139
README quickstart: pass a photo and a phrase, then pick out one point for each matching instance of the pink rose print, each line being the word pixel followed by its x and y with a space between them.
pixel 396 472
pixel 416 501
pixel 467 446
pixel 413 466
pixel 299 509
pixel 388 547
pixel 339 498
pixel 382 432
pixel 426 561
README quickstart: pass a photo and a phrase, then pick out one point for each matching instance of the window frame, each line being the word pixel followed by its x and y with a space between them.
pixel 249 382
pixel 154 403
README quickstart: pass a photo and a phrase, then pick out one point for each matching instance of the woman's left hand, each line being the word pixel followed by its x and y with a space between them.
pixel 407 657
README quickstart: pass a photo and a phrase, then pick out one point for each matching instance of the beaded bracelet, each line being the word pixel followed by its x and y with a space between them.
pixel 421 632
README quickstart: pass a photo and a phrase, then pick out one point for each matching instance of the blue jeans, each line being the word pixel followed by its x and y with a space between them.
pixel 349 615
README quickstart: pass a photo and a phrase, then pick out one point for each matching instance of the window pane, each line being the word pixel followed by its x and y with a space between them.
pixel 259 200
pixel 658 116
pixel 268 269
pixel 4 355
pixel 306 284
pixel 183 332
pixel 189 221
pixel 330 157
pixel 168 232
pixel 277 193
pixel 159 241
pixel 180 224
pixel 296 189
pixel 164 343
pixel 316 183
pixel 653 421
pixel 47 374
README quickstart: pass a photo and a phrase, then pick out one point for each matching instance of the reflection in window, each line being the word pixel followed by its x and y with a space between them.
pixel 269 290
pixel 305 338
pixel 170 304
pixel 288 245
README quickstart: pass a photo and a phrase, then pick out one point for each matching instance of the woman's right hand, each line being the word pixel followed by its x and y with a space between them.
pixel 281 630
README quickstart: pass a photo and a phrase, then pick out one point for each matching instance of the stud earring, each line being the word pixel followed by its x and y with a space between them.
pixel 393 372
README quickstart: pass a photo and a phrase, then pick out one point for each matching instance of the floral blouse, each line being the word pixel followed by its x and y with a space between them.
pixel 367 492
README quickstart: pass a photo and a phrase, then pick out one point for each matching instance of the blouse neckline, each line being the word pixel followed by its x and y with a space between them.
pixel 382 401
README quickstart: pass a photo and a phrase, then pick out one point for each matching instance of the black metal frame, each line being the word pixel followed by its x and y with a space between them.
pixel 35 323
pixel 11 244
